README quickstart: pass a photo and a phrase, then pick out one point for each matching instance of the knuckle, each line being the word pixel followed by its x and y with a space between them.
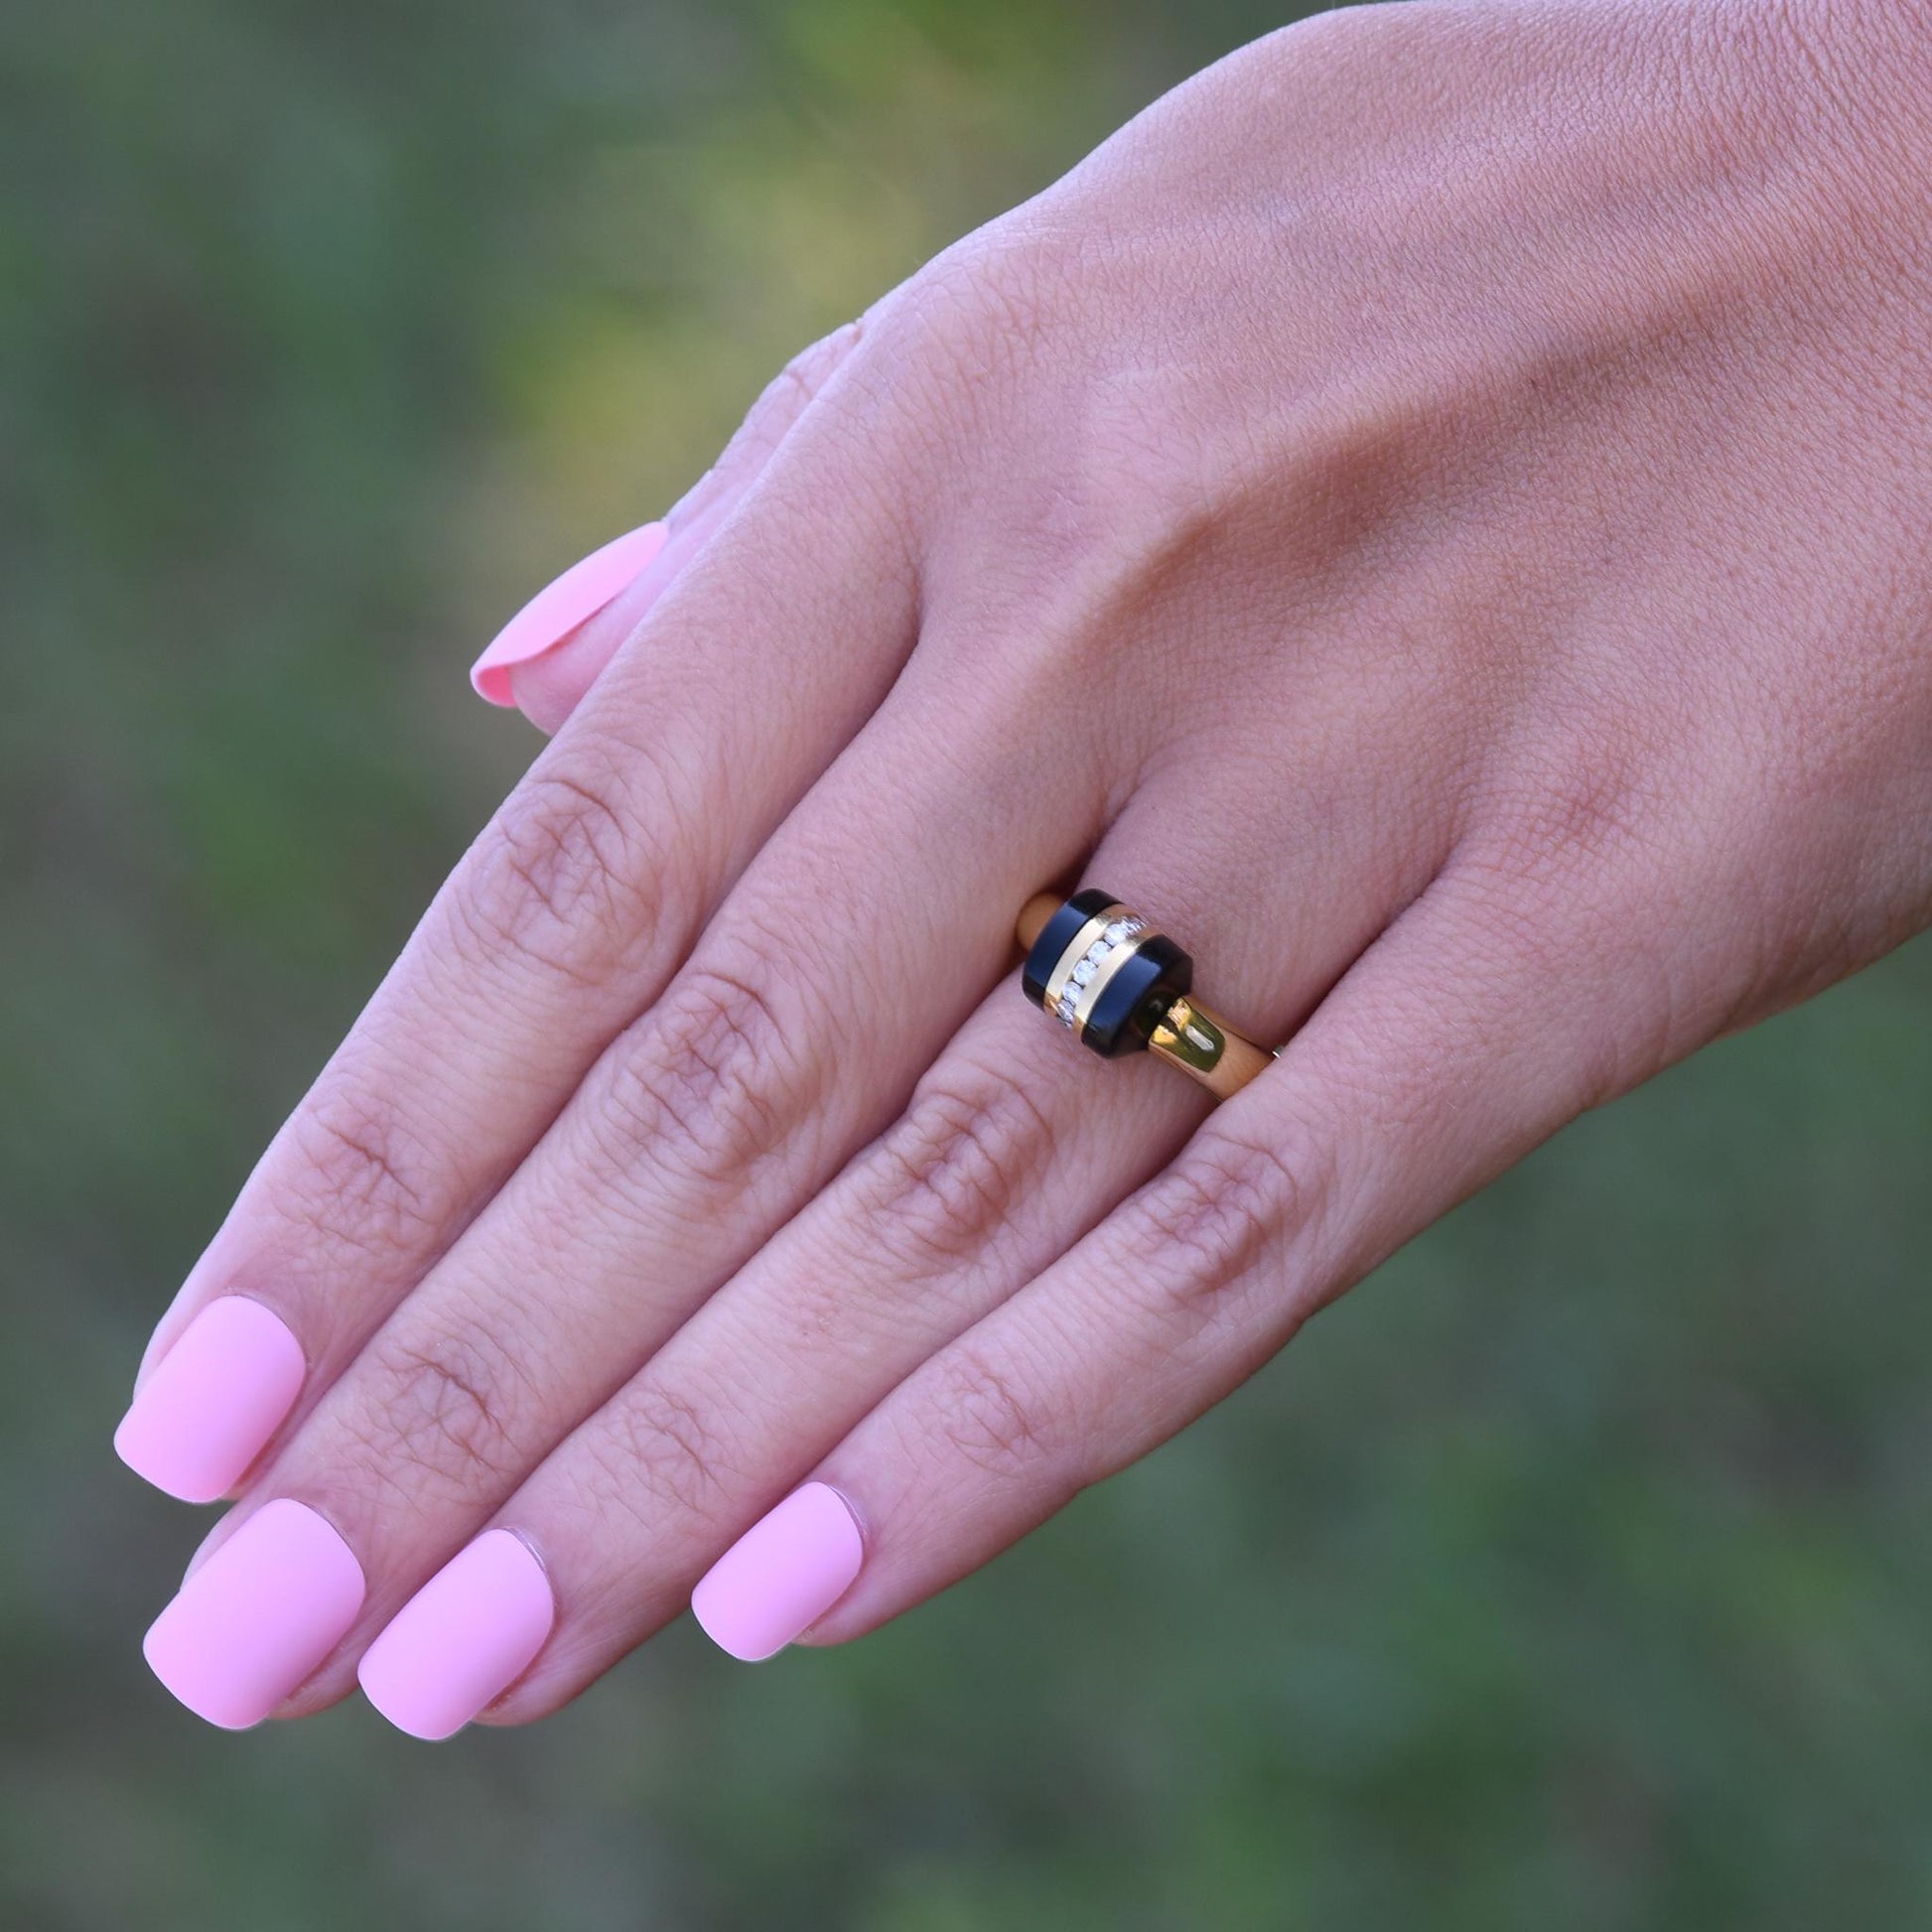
pixel 712 1081
pixel 779 405
pixel 1583 799
pixel 797 384
pixel 983 1414
pixel 1220 1215
pixel 946 1177
pixel 564 876
pixel 976 314
pixel 359 1178
pixel 666 1451
pixel 1568 861
pixel 443 1406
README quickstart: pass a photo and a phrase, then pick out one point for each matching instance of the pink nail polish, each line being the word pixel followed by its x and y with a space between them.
pixel 212 1400
pixel 560 606
pixel 782 1576
pixel 255 1620
pixel 463 1639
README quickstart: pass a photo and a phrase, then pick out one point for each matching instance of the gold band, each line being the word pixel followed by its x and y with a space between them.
pixel 1206 1049
pixel 1186 1034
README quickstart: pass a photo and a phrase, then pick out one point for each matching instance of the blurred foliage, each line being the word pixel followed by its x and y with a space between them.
pixel 1577 1573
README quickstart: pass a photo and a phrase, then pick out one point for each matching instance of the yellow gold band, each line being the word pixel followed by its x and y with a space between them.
pixel 1122 986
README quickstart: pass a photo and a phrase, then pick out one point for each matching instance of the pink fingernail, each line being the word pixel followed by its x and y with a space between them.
pixel 782 1576
pixel 212 1400
pixel 560 606
pixel 463 1639
pixel 256 1619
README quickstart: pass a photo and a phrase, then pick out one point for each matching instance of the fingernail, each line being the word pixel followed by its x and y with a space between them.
pixel 782 1576
pixel 463 1639
pixel 560 606
pixel 211 1403
pixel 256 1619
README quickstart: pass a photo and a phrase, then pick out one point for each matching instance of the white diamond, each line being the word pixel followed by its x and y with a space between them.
pixel 1119 930
pixel 1098 951
pixel 1084 972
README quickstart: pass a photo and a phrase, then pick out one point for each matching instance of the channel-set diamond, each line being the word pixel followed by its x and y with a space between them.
pixel 1087 967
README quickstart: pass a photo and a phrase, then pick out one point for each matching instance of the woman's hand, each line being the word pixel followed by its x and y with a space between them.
pixel 1433 512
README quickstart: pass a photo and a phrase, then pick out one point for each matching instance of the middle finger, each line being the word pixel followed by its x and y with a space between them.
pixel 791 1034
pixel 1014 1143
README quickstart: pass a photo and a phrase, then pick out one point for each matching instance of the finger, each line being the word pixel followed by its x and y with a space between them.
pixel 546 668
pixel 553 619
pixel 830 976
pixel 974 1188
pixel 1458 1040
pixel 1011 1146
pixel 565 919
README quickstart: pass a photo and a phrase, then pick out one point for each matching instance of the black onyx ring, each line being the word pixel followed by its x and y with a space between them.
pixel 1123 987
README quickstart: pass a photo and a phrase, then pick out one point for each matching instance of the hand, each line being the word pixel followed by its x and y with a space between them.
pixel 1433 511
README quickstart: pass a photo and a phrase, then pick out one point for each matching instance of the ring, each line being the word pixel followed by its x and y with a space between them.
pixel 1123 987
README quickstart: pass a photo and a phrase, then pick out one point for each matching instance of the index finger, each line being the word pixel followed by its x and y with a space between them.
pixel 564 920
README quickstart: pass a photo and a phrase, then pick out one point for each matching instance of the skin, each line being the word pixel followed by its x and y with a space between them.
pixel 1433 512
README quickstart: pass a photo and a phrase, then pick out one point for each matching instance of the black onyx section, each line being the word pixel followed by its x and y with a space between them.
pixel 1055 937
pixel 1139 992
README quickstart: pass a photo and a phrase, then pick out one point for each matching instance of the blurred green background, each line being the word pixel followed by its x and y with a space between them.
pixel 1577 1573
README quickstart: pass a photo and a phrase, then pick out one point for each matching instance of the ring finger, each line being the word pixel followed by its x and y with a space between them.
pixel 1012 1146
pixel 785 1040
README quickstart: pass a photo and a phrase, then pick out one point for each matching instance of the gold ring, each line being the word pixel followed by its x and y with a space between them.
pixel 1121 987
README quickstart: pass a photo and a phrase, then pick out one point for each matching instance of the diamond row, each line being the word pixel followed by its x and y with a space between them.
pixel 1090 963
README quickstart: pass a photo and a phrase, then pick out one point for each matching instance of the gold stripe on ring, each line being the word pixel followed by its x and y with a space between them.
pixel 1109 966
pixel 1077 950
